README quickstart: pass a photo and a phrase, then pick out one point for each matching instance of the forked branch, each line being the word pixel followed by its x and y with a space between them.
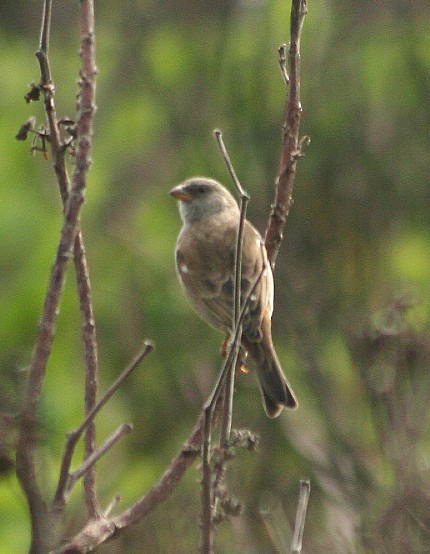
pixel 73 200
pixel 72 439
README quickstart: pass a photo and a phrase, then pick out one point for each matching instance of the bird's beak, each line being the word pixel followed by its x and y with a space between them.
pixel 180 194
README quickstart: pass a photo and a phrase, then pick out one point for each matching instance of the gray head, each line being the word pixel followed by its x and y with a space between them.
pixel 200 197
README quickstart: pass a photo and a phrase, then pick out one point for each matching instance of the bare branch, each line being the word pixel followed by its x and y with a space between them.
pixel 290 149
pixel 73 203
pixel 100 530
pixel 218 136
pixel 207 497
pixel 110 508
pixel 208 420
pixel 305 490
pixel 228 396
pixel 89 339
pixel 89 462
pixel 58 148
pixel 73 437
pixel 84 130
pixel 48 88
pixel 44 42
pixel 244 199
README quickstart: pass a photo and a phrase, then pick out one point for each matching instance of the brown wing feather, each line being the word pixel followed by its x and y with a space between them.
pixel 208 275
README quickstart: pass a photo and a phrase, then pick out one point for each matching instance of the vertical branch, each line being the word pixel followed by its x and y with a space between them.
pixel 26 463
pixel 207 493
pixel 207 496
pixel 26 466
pixel 86 102
pixel 244 199
pixel 86 107
pixel 44 38
pixel 227 376
pixel 36 373
pixel 228 397
pixel 291 145
pixel 305 491
pixel 91 365
pixel 47 86
pixel 208 421
pixel 58 149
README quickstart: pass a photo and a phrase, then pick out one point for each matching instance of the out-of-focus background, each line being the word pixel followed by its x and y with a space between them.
pixel 352 278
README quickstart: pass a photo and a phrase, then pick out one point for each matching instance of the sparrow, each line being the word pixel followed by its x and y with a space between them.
pixel 205 259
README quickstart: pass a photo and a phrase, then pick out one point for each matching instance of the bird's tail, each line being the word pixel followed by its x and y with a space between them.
pixel 275 389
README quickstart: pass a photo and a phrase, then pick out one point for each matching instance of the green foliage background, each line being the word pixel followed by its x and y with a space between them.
pixel 357 241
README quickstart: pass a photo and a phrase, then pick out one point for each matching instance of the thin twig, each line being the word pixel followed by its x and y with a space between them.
pixel 112 505
pixel 44 36
pixel 238 249
pixel 89 462
pixel 228 396
pixel 47 86
pixel 290 149
pixel 244 199
pixel 227 375
pixel 99 531
pixel 208 419
pixel 147 349
pixel 73 436
pixel 218 136
pixel 232 344
pixel 305 490
pixel 206 485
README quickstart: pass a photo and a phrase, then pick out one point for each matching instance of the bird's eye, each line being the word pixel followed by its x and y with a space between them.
pixel 201 190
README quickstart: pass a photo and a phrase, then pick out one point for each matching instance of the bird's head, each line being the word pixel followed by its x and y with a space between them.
pixel 200 197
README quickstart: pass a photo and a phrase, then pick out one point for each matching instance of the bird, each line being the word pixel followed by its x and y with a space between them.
pixel 205 265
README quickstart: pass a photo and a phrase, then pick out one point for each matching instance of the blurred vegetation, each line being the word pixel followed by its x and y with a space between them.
pixel 353 276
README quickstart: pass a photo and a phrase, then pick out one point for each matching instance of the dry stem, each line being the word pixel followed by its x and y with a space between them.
pixel 74 436
pixel 26 462
pixel 305 490
pixel 290 149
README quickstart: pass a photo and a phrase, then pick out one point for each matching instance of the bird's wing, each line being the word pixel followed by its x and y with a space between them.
pixel 205 264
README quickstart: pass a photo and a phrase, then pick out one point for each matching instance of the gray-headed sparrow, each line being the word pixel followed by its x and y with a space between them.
pixel 205 254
